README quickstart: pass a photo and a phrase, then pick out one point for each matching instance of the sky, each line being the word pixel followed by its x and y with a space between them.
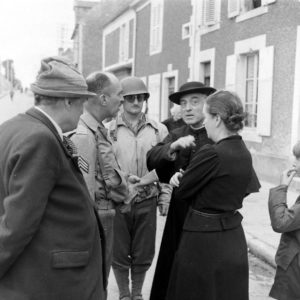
pixel 30 31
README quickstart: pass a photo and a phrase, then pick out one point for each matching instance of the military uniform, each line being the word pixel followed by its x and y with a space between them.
pixel 106 183
pixel 135 230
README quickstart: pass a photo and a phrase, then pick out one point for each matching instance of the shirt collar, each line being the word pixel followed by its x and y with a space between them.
pixel 90 121
pixel 143 117
pixel 57 127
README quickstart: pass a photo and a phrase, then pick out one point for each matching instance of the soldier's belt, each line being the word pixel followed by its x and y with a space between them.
pixel 104 203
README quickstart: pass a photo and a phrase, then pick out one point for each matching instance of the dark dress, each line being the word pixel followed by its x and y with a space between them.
pixel 211 262
pixel 158 158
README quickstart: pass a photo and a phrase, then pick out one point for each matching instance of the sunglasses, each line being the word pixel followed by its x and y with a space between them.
pixel 139 97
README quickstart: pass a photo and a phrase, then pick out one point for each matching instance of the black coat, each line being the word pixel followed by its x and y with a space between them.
pixel 49 232
pixel 171 124
pixel 158 158
pixel 212 252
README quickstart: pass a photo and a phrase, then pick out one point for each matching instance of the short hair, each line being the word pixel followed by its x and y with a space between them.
pixel 296 150
pixel 46 100
pixel 98 81
pixel 229 107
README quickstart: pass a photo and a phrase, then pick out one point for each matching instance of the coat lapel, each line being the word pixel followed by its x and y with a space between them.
pixel 34 113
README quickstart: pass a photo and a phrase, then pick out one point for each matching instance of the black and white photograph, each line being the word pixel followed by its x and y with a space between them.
pixel 149 149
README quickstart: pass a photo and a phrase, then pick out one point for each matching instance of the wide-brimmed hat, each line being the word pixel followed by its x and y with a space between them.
pixel 59 78
pixel 190 88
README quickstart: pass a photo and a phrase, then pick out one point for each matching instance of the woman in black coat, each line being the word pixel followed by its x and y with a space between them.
pixel 211 262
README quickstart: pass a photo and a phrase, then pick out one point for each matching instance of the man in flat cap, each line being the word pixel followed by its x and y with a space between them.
pixel 50 245
pixel 173 155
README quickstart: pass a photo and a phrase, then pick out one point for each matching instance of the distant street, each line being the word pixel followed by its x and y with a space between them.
pixel 20 103
pixel 261 274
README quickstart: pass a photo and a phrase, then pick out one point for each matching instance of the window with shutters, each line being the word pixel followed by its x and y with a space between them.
pixel 251 89
pixel 156 27
pixel 205 68
pixel 206 73
pixel 169 86
pixel 118 42
pixel 249 72
pixel 245 9
pixel 124 42
pixel 208 15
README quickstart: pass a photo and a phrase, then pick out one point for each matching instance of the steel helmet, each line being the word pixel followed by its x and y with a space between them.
pixel 133 86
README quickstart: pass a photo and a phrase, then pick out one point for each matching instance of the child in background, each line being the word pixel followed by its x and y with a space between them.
pixel 286 220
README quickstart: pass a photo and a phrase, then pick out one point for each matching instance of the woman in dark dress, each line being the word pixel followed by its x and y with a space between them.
pixel 211 262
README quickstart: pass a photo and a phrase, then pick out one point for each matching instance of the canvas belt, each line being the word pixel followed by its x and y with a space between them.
pixel 103 203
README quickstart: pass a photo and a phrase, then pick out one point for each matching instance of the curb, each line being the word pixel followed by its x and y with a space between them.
pixel 261 250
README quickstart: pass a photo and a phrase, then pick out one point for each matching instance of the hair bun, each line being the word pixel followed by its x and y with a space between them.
pixel 237 118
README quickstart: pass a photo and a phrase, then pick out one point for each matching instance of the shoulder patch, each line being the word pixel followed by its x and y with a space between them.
pixel 83 164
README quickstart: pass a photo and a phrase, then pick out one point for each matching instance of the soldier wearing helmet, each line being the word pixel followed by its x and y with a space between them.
pixel 132 135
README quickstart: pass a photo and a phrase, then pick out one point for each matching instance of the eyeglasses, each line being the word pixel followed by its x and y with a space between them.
pixel 139 97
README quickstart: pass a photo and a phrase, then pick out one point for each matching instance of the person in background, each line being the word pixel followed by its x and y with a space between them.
pixel 212 252
pixel 132 135
pixel 175 121
pixel 107 185
pixel 174 153
pixel 49 233
pixel 286 220
pixel 11 93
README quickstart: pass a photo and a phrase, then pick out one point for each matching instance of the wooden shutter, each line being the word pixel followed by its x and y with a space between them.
pixel 233 8
pixel 265 89
pixel 230 81
pixel 209 12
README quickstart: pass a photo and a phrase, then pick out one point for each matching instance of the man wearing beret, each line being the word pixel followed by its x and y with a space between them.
pixel 50 245
pixel 169 157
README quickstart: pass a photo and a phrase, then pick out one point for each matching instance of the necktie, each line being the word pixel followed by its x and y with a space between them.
pixel 70 146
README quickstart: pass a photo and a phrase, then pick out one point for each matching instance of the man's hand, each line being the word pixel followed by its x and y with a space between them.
pixel 175 180
pixel 183 142
pixel 163 209
pixel 133 179
pixel 287 176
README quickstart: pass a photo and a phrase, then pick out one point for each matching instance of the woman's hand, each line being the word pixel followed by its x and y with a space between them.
pixel 287 176
pixel 175 180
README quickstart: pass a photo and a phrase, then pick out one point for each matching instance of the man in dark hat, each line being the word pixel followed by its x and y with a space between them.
pixel 50 245
pixel 173 155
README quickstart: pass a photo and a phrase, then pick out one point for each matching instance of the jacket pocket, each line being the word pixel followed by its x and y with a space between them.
pixel 287 250
pixel 69 259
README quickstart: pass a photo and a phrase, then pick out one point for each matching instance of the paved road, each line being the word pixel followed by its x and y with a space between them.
pixel 10 108
pixel 260 274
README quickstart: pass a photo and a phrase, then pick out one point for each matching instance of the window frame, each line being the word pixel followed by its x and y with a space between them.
pixel 156 26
